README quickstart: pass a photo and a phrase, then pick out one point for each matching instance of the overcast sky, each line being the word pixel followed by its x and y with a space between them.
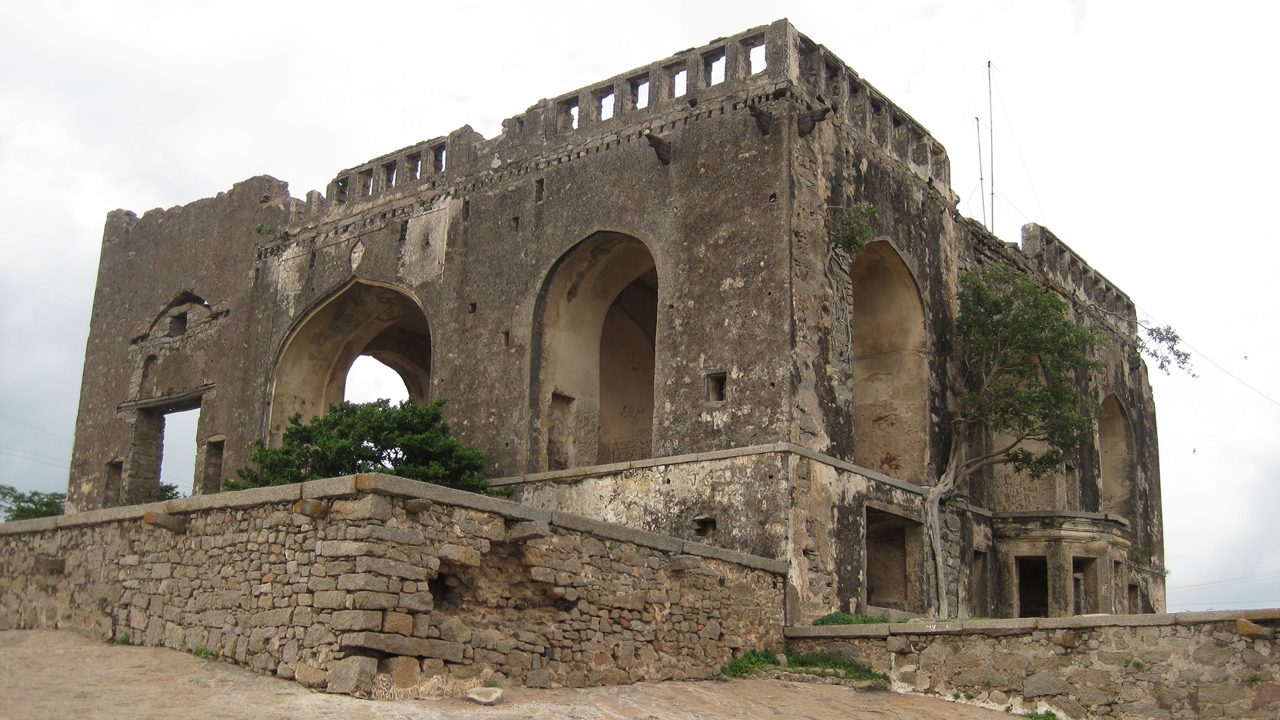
pixel 1142 134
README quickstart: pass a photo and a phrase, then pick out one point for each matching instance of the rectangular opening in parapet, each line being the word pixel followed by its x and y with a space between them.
pixel 413 164
pixel 714 65
pixel 340 190
pixel 440 158
pixel 178 451
pixel 717 386
pixel 111 490
pixel 366 183
pixel 640 92
pixel 605 105
pixel 389 175
pixel 679 81
pixel 757 61
pixel 1084 585
pixel 568 115
pixel 539 187
pixel 978 583
pixel 1033 586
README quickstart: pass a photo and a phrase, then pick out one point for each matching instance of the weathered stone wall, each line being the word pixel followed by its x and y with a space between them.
pixel 368 579
pixel 1222 664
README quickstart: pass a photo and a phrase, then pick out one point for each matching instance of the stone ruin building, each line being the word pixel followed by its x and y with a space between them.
pixel 630 300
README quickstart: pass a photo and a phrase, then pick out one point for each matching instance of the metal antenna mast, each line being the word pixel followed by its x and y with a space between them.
pixel 991 148
pixel 982 187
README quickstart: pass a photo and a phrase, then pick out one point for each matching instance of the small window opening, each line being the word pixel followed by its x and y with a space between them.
pixel 1033 586
pixel 607 103
pixel 679 82
pixel 717 386
pixel 506 338
pixel 340 189
pixel 515 223
pixel 440 158
pixel 115 476
pixel 715 68
pixel 640 92
pixel 704 525
pixel 757 60
pixel 471 308
pixel 538 189
pixel 389 174
pixel 466 209
pixel 177 324
pixel 569 114
pixel 366 182
pixel 414 164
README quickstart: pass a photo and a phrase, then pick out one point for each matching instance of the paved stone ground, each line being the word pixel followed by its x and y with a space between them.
pixel 47 674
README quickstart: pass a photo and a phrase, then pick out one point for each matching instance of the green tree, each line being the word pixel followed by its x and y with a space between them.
pixel 409 440
pixel 17 505
pixel 1022 358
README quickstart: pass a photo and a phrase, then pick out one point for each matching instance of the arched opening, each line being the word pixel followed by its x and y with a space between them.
pixel 593 375
pixel 1116 458
pixel 369 379
pixel 890 377
pixel 361 319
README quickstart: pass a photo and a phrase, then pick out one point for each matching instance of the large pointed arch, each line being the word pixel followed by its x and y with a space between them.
pixel 1116 458
pixel 360 318
pixel 890 374
pixel 595 341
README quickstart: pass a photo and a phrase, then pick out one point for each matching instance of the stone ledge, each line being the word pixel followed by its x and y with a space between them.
pixel 236 499
pixel 1011 626
pixel 755 562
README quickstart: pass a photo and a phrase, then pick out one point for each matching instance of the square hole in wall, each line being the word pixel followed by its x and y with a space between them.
pixel 440 158
pixel 539 187
pixel 714 66
pixel 413 164
pixel 679 81
pixel 757 60
pixel 340 190
pixel 606 102
pixel 569 114
pixel 366 182
pixel 471 308
pixel 177 324
pixel 640 92
pixel 389 174
pixel 704 525
pixel 717 386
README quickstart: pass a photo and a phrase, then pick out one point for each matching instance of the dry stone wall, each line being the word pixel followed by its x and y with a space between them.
pixel 377 585
pixel 1222 664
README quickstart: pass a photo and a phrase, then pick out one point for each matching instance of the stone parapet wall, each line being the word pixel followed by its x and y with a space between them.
pixel 1187 665
pixel 374 584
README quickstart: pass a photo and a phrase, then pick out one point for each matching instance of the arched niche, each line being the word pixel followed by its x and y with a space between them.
pixel 890 375
pixel 361 318
pixel 595 335
pixel 1116 458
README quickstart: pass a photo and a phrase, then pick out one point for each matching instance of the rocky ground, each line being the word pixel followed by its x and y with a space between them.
pixel 46 674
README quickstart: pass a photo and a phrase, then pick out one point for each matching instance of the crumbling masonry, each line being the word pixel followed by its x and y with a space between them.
pixel 630 300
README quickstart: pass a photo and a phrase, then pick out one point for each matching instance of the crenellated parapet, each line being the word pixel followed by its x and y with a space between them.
pixel 1069 271
pixel 739 73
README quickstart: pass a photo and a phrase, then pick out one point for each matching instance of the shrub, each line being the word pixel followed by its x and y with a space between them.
pixel 18 505
pixel 409 440
pixel 749 662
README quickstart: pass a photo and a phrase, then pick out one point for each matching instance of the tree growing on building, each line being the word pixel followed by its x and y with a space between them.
pixel 1022 358
pixel 409 440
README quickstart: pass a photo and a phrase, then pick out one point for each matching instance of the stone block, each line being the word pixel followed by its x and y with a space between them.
pixel 540 678
pixel 351 675
pixel 459 555
pixel 345 620
pixel 385 643
pixel 368 507
pixel 1045 683
pixel 454 630
pixel 347 548
pixel 449 651
pixel 312 508
pixel 529 530
pixel 329 599
pixel 173 523
pixel 1250 629
pixel 404 671
pixel 390 568
pixel 374 600
pixel 363 581
pixel 309 675
pixel 1065 638
pixel 397 623
pixel 485 695
pixel 419 602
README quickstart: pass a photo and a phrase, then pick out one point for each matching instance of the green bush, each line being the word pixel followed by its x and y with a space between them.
pixel 844 618
pixel 841 666
pixel 18 505
pixel 409 440
pixel 749 662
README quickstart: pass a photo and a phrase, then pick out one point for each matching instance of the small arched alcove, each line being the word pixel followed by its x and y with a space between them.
pixel 890 375
pixel 595 334
pixel 361 318
pixel 1116 458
